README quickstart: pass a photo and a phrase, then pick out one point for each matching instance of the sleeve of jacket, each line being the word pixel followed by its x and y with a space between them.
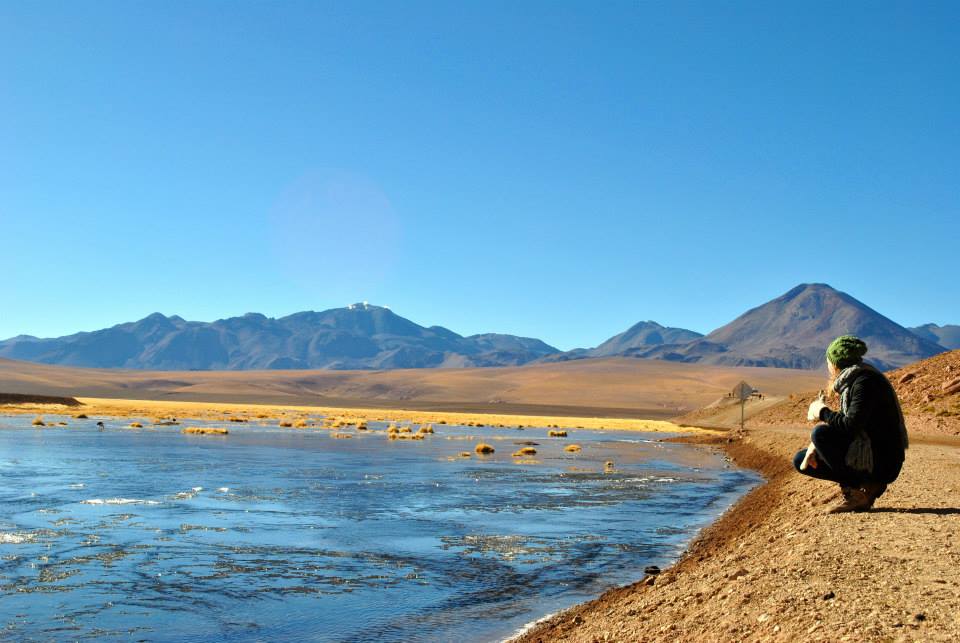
pixel 858 412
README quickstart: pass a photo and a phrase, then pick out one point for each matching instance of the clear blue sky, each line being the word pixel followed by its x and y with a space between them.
pixel 552 169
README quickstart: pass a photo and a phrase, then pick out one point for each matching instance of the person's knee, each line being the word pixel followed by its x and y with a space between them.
pixel 798 460
pixel 820 434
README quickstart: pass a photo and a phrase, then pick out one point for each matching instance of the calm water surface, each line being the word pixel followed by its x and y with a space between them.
pixel 292 535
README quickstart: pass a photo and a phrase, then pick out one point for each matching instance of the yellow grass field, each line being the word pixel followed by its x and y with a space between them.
pixel 219 411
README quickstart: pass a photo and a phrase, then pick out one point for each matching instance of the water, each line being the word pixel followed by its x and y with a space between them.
pixel 292 535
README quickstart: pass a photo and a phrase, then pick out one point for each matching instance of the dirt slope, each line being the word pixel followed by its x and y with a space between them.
pixel 929 391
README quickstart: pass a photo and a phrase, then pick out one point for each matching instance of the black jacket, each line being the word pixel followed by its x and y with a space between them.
pixel 873 408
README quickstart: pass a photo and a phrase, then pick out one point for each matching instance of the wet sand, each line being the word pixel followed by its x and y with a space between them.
pixel 776 568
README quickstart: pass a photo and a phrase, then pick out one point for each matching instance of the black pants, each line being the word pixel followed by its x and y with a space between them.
pixel 831 458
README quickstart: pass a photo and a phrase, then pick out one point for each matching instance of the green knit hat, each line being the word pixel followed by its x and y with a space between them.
pixel 846 350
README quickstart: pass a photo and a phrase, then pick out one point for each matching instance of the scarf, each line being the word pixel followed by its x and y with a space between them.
pixel 860 453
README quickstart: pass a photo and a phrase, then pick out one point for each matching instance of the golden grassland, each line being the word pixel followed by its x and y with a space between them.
pixel 607 388
pixel 331 417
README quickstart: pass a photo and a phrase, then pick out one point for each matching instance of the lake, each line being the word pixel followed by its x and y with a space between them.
pixel 293 535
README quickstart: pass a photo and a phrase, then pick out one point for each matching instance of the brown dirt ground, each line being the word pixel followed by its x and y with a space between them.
pixel 610 387
pixel 16 398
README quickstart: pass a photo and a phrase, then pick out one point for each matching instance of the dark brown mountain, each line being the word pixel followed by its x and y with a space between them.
pixel 360 336
pixel 793 331
pixel 642 335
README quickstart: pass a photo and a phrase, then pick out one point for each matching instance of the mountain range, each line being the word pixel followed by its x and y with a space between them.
pixel 790 331
pixel 359 336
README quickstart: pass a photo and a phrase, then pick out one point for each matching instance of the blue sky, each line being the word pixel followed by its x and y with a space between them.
pixel 552 169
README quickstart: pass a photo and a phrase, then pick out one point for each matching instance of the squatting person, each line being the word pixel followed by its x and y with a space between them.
pixel 862 445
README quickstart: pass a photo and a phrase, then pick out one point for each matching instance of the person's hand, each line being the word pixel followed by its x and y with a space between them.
pixel 810 460
pixel 813 413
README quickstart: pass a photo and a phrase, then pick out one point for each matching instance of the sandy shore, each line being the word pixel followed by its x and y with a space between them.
pixel 775 567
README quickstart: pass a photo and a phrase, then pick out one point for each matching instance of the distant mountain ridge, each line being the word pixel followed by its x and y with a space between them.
pixel 947 336
pixel 359 336
pixel 642 336
pixel 791 331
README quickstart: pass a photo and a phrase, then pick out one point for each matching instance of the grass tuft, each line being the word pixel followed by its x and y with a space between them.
pixel 484 448
pixel 205 430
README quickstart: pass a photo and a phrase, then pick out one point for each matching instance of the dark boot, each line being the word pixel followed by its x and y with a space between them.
pixel 853 500
pixel 874 490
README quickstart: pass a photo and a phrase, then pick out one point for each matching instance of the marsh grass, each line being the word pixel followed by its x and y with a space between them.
pixel 405 436
pixel 204 430
pixel 556 434
pixel 38 421
pixel 572 448
pixel 484 448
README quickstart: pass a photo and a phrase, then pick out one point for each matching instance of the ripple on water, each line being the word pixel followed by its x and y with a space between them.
pixel 306 538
